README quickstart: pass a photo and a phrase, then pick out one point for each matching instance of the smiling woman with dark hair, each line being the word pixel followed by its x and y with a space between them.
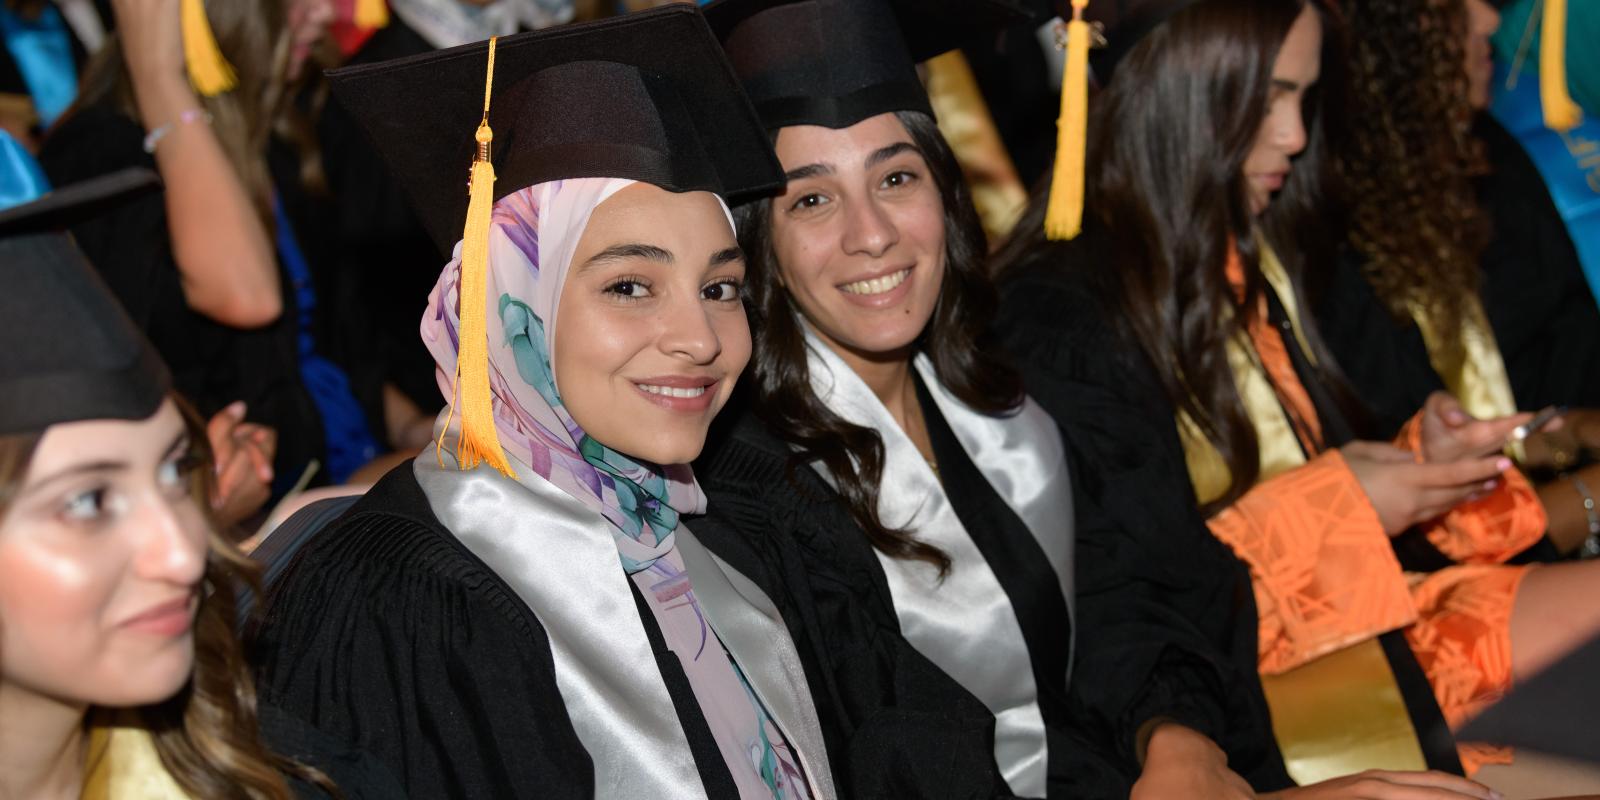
pixel 523 610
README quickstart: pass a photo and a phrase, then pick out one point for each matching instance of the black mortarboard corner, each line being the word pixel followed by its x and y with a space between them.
pixel 1553 712
pixel 647 97
pixel 69 352
pixel 837 62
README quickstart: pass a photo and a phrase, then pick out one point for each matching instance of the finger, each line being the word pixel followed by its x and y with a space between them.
pixel 230 477
pixel 262 462
pixel 1447 408
pixel 1439 780
pixel 1467 473
pixel 1379 451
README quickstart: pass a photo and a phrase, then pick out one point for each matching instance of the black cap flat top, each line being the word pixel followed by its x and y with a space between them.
pixel 68 351
pixel 647 96
pixel 837 62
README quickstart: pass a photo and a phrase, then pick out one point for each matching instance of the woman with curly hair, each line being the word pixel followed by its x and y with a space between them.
pixel 120 675
pixel 1458 273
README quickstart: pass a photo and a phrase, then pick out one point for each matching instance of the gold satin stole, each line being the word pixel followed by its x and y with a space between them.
pixel 123 764
pixel 1342 713
pixel 964 120
pixel 1469 363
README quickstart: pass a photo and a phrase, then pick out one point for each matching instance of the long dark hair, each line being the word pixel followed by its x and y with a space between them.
pixel 957 340
pixel 206 735
pixel 1166 205
pixel 1412 157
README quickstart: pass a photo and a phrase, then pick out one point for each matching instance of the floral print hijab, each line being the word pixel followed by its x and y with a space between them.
pixel 534 233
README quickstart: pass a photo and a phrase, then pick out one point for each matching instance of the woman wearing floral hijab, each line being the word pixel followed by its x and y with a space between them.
pixel 520 612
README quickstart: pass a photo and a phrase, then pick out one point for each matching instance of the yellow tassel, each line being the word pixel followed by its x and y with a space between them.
pixel 479 442
pixel 209 72
pixel 371 14
pixel 1560 113
pixel 1064 216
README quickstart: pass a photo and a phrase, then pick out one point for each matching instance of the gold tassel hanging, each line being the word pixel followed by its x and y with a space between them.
pixel 371 14
pixel 209 72
pixel 1063 218
pixel 1560 113
pixel 479 442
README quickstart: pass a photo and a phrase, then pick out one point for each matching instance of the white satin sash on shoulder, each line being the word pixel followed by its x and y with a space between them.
pixel 965 623
pixel 560 558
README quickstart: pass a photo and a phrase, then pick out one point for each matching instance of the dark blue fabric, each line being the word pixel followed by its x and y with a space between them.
pixel 349 440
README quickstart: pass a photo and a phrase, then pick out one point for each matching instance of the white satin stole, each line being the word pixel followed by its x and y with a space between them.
pixel 965 623
pixel 560 558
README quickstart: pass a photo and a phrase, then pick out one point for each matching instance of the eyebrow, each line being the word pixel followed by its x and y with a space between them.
pixel 727 256
pixel 95 467
pixel 878 156
pixel 627 252
pixel 883 154
pixel 808 171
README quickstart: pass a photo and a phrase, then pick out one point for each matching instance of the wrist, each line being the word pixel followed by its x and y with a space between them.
pixel 1168 739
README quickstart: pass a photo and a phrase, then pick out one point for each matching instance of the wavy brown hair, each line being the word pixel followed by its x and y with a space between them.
pixel 1166 206
pixel 1411 156
pixel 957 340
pixel 206 734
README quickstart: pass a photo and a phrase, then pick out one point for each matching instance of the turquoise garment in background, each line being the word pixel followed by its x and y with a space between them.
pixel 42 50
pixel 1583 47
pixel 21 180
pixel 1568 161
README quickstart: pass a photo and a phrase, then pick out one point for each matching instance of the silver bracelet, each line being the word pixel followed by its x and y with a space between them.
pixel 1591 545
pixel 189 116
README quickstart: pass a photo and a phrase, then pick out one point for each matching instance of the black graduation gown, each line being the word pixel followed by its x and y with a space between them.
pixel 387 632
pixel 881 700
pixel 212 364
pixel 1533 290
pixel 384 260
pixel 356 775
pixel 1166 614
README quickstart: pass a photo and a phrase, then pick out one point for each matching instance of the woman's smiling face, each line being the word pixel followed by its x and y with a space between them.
pixel 859 234
pixel 653 332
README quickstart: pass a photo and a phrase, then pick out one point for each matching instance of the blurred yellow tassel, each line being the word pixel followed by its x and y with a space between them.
pixel 1063 218
pixel 479 442
pixel 371 14
pixel 1560 113
pixel 209 72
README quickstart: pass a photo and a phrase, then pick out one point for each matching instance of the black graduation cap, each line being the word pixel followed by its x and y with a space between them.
pixel 837 62
pixel 69 352
pixel 646 96
pixel 1553 712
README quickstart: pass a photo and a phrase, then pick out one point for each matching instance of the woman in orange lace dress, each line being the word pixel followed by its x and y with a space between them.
pixel 1194 249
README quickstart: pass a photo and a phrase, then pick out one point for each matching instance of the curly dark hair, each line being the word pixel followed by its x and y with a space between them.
pixel 1411 156
pixel 957 339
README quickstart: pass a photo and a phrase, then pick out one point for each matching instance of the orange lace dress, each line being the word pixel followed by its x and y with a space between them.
pixel 1325 575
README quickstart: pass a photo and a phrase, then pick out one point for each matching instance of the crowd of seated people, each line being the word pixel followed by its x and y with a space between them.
pixel 1244 449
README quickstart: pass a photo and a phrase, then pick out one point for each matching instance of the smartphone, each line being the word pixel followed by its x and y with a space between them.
pixel 1539 422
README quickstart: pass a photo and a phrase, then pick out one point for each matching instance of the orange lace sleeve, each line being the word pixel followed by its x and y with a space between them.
pixel 1488 530
pixel 1324 573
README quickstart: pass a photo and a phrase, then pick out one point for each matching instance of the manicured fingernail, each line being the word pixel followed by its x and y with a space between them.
pixel 1503 464
pixel 1489 485
pixel 236 409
